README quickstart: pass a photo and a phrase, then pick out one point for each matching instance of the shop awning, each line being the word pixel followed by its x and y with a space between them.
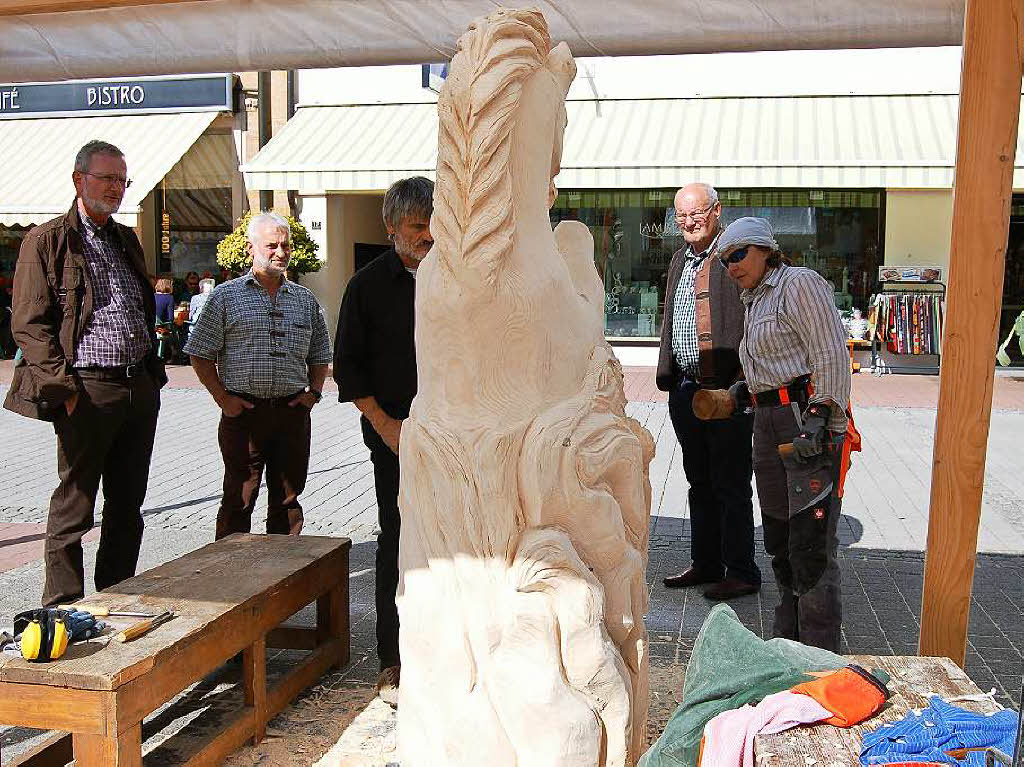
pixel 900 141
pixel 39 156
pixel 47 40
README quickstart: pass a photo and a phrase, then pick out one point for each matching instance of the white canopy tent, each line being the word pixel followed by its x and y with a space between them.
pixel 63 39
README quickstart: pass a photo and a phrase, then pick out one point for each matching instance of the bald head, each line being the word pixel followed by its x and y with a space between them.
pixel 697 214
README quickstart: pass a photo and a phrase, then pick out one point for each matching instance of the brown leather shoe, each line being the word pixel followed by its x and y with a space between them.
pixel 730 588
pixel 691 576
pixel 387 685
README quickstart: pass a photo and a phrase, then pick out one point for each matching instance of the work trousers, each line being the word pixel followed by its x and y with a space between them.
pixel 272 435
pixel 717 463
pixel 108 436
pixel 385 480
pixel 800 511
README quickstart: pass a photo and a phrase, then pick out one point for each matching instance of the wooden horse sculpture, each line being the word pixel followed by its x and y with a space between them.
pixel 524 493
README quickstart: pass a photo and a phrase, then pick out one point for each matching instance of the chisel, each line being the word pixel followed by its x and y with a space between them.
pixel 105 612
pixel 142 627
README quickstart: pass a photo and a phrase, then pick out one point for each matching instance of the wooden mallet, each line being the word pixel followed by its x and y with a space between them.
pixel 712 404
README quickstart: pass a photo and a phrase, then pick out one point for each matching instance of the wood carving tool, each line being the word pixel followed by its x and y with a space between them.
pixel 104 612
pixel 144 627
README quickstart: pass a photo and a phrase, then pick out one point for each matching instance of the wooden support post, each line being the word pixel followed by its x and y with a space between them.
pixel 983 182
pixel 122 750
pixel 254 683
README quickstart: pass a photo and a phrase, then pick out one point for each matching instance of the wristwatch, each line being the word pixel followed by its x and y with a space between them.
pixel 317 395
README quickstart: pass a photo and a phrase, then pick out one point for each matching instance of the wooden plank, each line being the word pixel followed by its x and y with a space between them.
pixel 254 684
pixel 993 51
pixel 219 746
pixel 123 750
pixel 292 637
pixel 53 708
pixel 55 751
pixel 338 623
pixel 913 678
pixel 203 587
pixel 18 7
pixel 180 665
pixel 312 668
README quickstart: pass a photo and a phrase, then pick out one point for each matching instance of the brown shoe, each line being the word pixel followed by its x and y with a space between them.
pixel 387 685
pixel 691 576
pixel 730 588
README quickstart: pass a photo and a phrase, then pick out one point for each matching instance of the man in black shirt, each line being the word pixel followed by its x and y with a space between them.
pixel 375 367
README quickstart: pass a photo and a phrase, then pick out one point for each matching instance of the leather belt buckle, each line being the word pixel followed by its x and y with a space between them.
pixel 132 371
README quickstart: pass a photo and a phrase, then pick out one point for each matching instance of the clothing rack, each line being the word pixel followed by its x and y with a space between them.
pixel 911 329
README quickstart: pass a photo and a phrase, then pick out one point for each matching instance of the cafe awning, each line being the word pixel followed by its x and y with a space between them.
pixel 36 185
pixel 888 141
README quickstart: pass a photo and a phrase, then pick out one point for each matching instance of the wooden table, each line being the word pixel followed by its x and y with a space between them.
pixel 856 343
pixel 913 678
pixel 230 597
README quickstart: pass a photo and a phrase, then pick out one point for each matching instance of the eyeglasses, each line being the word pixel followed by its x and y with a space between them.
pixel 110 179
pixel 735 257
pixel 698 216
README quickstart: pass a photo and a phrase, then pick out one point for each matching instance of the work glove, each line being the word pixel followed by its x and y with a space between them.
pixel 812 439
pixel 740 396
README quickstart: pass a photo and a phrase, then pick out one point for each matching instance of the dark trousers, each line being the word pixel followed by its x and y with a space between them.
pixel 109 436
pixel 385 480
pixel 800 512
pixel 717 463
pixel 271 435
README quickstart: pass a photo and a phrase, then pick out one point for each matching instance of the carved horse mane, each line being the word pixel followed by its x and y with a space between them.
pixel 474 218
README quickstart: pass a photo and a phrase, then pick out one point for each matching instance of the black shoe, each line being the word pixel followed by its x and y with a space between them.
pixel 691 576
pixel 731 588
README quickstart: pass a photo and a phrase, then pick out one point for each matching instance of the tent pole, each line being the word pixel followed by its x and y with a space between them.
pixel 990 83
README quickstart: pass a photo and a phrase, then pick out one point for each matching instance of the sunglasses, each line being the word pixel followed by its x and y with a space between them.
pixel 735 257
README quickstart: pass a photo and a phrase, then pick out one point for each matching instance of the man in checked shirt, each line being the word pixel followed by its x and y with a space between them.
pixel 700 335
pixel 261 349
pixel 84 318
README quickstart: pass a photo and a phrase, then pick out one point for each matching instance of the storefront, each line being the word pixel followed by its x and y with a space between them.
pixel 179 136
pixel 850 183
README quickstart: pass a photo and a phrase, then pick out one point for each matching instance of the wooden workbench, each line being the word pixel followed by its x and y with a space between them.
pixel 229 597
pixel 913 679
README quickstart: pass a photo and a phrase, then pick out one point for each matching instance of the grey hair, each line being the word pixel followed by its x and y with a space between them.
pixel 266 217
pixel 412 196
pixel 207 285
pixel 710 193
pixel 83 160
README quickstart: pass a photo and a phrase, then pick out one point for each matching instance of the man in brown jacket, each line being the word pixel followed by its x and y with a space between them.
pixel 700 337
pixel 84 317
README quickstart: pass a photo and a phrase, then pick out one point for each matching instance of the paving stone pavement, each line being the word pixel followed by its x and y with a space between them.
pixel 883 534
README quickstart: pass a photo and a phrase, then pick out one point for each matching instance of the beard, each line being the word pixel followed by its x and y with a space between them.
pixel 408 247
pixel 100 205
pixel 268 265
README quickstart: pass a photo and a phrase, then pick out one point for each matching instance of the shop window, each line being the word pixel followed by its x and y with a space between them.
pixel 836 232
pixel 1013 279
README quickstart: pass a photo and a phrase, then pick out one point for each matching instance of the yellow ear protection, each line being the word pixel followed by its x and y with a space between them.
pixel 44 633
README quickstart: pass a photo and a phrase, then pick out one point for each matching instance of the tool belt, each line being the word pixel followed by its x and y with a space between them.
pixel 799 391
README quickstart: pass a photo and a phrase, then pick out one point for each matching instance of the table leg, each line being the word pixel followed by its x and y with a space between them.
pixel 254 679
pixel 124 750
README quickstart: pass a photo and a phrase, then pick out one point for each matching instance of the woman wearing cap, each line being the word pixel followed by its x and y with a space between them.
pixel 797 371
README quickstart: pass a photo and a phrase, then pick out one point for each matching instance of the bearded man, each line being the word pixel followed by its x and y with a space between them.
pixel 375 367
pixel 261 348
pixel 83 315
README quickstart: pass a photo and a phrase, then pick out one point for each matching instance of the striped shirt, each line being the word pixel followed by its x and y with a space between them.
pixel 263 346
pixel 792 328
pixel 684 319
pixel 117 334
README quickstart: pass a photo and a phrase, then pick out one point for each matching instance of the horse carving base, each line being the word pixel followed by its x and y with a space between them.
pixel 524 492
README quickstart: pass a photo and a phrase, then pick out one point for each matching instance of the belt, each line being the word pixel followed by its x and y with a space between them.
pixel 271 401
pixel 798 391
pixel 119 373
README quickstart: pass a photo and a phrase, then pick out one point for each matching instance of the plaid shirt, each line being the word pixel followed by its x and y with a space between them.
pixel 263 346
pixel 684 320
pixel 117 334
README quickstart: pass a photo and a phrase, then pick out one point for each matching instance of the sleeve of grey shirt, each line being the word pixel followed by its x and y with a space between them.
pixel 320 352
pixel 206 339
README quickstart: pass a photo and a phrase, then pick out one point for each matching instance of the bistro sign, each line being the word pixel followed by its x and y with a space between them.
pixel 200 93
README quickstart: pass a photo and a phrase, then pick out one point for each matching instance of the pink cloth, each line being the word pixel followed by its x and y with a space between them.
pixel 729 737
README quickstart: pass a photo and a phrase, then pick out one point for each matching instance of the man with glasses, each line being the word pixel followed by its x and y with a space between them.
pixel 261 348
pixel 700 337
pixel 84 317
